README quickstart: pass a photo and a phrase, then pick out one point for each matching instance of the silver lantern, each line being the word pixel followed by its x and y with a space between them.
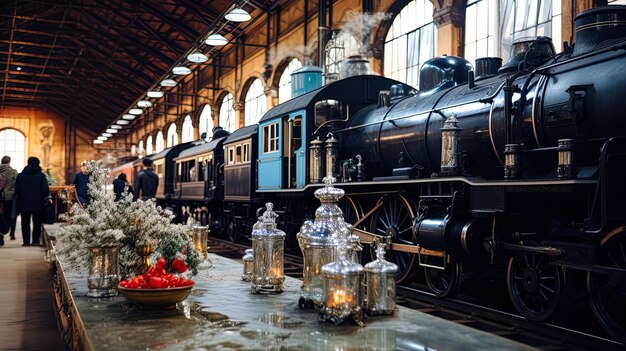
pixel 317 241
pixel 248 260
pixel 450 159
pixel 268 245
pixel 381 284
pixel 343 289
pixel 200 236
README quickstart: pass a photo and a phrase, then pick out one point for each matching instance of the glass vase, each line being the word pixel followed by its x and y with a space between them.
pixel 103 271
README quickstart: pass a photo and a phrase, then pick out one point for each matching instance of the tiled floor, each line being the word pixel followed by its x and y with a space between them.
pixel 27 319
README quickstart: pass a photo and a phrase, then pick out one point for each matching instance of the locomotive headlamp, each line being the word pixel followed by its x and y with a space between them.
pixel 343 289
pixel 450 160
pixel 381 284
pixel 248 262
pixel 512 161
pixel 268 245
pixel 318 240
pixel 567 159
pixel 317 166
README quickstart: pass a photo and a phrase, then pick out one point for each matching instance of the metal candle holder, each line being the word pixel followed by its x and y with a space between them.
pixel 381 284
pixel 248 261
pixel 200 236
pixel 343 289
pixel 268 245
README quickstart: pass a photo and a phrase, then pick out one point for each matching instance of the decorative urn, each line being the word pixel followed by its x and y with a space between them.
pixel 343 289
pixel 268 247
pixel 381 284
pixel 317 241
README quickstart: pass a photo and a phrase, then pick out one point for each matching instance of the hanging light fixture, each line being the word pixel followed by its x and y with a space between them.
pixel 155 94
pixel 181 70
pixel 216 39
pixel 135 111
pixel 168 83
pixel 197 57
pixel 122 122
pixel 108 135
pixel 238 15
pixel 111 131
pixel 115 126
pixel 98 141
pixel 144 103
pixel 102 138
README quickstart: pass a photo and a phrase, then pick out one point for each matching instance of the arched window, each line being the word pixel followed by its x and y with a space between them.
pixel 206 122
pixel 133 150
pixel 13 144
pixel 160 143
pixel 141 151
pixel 172 136
pixel 617 2
pixel 187 130
pixel 255 105
pixel 284 84
pixel 149 145
pixel 341 45
pixel 411 40
pixel 227 114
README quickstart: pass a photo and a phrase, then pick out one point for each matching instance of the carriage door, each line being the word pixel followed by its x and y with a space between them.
pixel 270 156
pixel 296 154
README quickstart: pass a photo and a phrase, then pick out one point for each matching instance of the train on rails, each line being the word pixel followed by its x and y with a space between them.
pixel 520 167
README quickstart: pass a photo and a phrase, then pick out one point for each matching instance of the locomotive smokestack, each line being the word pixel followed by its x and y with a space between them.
pixel 598 27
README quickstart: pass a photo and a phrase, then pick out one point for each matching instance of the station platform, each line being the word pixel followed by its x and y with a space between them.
pixel 222 314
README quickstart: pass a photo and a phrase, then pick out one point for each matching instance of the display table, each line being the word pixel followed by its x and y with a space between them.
pixel 222 314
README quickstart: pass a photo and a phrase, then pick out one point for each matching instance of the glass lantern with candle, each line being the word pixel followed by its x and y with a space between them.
pixel 200 235
pixel 317 241
pixel 268 245
pixel 248 261
pixel 381 284
pixel 343 289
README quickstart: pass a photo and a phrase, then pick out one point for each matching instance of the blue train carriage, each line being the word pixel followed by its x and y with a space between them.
pixel 163 165
pixel 240 200
pixel 287 131
pixel 199 179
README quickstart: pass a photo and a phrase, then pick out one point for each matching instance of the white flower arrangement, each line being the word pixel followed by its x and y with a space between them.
pixel 127 223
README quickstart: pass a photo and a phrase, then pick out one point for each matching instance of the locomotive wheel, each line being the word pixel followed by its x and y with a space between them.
pixel 351 209
pixel 443 282
pixel 395 218
pixel 232 230
pixel 534 286
pixel 608 301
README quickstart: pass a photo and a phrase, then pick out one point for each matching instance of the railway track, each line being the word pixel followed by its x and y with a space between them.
pixel 543 336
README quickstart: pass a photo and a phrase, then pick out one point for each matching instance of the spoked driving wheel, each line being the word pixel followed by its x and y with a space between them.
pixel 394 218
pixel 535 286
pixel 351 209
pixel 443 282
pixel 608 299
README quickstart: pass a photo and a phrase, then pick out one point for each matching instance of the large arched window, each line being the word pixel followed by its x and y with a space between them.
pixel 284 84
pixel 13 144
pixel 341 45
pixel 187 130
pixel 172 136
pixel 141 151
pixel 149 145
pixel 255 105
pixel 227 114
pixel 206 122
pixel 160 143
pixel 411 40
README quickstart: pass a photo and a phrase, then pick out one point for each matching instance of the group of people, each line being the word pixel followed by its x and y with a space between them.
pixel 27 194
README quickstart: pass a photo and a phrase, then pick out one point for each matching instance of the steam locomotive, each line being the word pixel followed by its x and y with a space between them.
pixel 518 166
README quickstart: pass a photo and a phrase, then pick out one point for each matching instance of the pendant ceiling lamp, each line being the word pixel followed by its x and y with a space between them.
pixel 197 57
pixel 144 103
pixel 181 70
pixel 108 135
pixel 168 83
pixel 155 94
pixel 102 138
pixel 216 39
pixel 98 141
pixel 115 126
pixel 238 15
pixel 123 122
pixel 135 111
pixel 111 131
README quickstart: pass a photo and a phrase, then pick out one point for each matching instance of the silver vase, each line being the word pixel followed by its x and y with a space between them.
pixel 103 271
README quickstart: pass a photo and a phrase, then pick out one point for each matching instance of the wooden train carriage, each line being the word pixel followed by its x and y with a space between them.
pixel 198 176
pixel 239 170
pixel 163 165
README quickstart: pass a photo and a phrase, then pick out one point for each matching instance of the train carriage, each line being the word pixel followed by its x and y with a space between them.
pixel 163 166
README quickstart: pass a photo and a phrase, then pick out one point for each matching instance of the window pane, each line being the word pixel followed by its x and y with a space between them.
pixel 227 114
pixel 13 144
pixel 284 85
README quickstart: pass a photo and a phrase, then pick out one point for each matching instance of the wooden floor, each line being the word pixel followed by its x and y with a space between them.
pixel 27 319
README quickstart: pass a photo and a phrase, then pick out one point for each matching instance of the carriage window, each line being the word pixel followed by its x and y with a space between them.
pixel 201 167
pixel 238 154
pixel 270 138
pixel 330 110
pixel 231 155
pixel 246 152
pixel 296 137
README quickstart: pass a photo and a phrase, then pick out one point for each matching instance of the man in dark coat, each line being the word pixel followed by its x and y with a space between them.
pixel 32 192
pixel 81 182
pixel 147 182
pixel 119 184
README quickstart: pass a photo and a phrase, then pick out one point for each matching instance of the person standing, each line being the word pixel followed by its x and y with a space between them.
pixel 8 174
pixel 119 184
pixel 32 191
pixel 81 182
pixel 147 182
